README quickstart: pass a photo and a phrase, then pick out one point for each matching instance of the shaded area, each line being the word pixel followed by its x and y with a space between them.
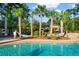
pixel 5 38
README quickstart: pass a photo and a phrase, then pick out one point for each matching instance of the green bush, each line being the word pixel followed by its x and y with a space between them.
pixel 36 33
pixel 52 36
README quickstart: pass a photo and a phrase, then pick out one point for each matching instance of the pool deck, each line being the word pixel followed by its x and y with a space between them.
pixel 74 38
pixel 30 41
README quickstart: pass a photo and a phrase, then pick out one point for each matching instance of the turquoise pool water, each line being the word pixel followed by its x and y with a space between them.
pixel 40 50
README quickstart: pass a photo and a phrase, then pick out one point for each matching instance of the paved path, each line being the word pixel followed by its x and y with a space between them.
pixel 5 38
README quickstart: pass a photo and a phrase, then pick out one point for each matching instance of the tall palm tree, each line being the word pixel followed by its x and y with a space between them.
pixel 18 12
pixel 5 10
pixel 74 11
pixel 66 20
pixel 40 10
pixel 61 16
pixel 31 23
pixel 51 14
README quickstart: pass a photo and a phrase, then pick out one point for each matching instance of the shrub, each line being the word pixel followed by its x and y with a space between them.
pixel 36 33
pixel 52 36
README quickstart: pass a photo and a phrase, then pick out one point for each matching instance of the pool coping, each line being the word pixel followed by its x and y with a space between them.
pixel 31 41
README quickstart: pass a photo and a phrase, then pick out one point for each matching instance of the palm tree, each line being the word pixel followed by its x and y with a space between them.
pixel 61 16
pixel 51 14
pixel 31 21
pixel 40 10
pixel 18 12
pixel 21 11
pixel 1 14
pixel 9 16
pixel 5 10
pixel 74 11
pixel 67 19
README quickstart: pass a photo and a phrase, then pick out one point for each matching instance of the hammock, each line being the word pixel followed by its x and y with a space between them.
pixel 23 35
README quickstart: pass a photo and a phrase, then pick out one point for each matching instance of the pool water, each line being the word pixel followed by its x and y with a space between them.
pixel 40 50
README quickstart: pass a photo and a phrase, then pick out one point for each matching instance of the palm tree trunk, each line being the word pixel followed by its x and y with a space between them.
pixel 51 24
pixel 73 23
pixel 19 25
pixel 40 27
pixel 61 22
pixel 31 27
pixel 5 27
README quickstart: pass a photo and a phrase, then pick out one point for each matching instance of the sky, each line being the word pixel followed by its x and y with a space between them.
pixel 56 6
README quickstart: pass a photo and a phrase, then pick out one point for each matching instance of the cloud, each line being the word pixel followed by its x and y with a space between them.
pixel 51 5
pixel 58 10
pixel 48 5
pixel 34 7
pixel 73 5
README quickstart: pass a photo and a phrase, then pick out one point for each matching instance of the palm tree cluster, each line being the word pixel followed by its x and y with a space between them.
pixel 27 24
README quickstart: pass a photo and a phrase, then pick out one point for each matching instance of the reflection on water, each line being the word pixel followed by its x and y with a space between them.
pixel 40 50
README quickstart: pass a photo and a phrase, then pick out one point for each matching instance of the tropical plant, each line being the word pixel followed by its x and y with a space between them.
pixel 40 11
pixel 51 14
pixel 19 11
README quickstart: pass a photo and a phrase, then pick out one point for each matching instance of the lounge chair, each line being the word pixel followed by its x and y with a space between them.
pixel 65 34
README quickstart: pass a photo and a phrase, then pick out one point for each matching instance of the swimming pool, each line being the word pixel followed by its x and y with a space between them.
pixel 40 50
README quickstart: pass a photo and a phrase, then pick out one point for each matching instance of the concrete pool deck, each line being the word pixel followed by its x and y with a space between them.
pixel 74 38
pixel 30 41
